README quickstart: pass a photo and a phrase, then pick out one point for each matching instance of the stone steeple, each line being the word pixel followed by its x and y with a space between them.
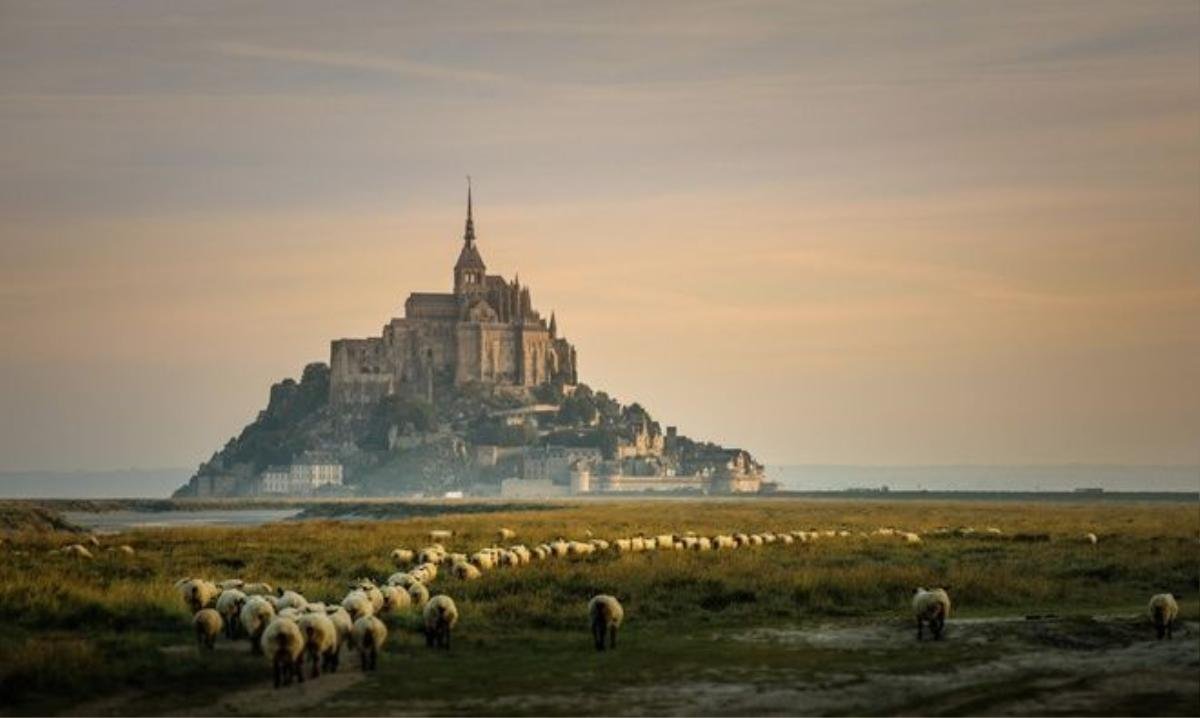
pixel 469 270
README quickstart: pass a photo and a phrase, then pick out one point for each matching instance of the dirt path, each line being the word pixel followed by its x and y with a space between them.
pixel 264 698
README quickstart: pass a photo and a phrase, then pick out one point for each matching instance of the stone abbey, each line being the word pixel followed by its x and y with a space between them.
pixel 485 331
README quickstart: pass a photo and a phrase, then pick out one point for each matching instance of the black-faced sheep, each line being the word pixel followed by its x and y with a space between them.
pixel 932 607
pixel 358 605
pixel 606 614
pixel 229 605
pixel 419 595
pixel 198 593
pixel 320 641
pixel 283 643
pixel 1163 612
pixel 207 623
pixel 440 616
pixel 368 636
pixel 256 615
pixel 403 556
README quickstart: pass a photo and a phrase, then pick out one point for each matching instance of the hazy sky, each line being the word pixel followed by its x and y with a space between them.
pixel 846 232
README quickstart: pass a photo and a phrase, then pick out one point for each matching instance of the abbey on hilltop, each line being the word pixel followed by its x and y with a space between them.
pixel 485 331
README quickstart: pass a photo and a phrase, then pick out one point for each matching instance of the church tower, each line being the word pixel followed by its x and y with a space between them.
pixel 469 270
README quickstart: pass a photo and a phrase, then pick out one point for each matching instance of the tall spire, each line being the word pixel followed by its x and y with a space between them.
pixel 469 234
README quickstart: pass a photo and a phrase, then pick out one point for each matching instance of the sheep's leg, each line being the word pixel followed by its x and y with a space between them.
pixel 598 635
pixel 316 660
pixel 374 656
pixel 278 669
pixel 612 636
pixel 1169 630
pixel 298 668
pixel 429 636
pixel 446 639
pixel 362 658
pixel 919 633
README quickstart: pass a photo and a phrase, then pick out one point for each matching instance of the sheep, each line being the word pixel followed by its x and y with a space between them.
pixel 290 599
pixel 665 540
pixel 505 535
pixel 993 531
pixel 606 615
pixel 910 537
pixel 578 548
pixel 483 560
pixel 523 553
pixel 723 541
pixel 430 555
pixel 401 580
pixel 125 549
pixel 541 553
pixel 283 643
pixel 289 612
pixel 932 607
pixel 425 572
pixel 341 621
pixel 466 572
pixel 419 595
pixel 230 583
pixel 637 544
pixel 741 540
pixel 559 548
pixel 1163 611
pixel 1091 538
pixel 403 556
pixel 623 545
pixel 358 605
pixel 257 613
pixel 372 591
pixel 229 606
pixel 394 599
pixel 704 543
pixel 787 539
pixel 198 593
pixel 650 544
pixel 440 616
pixel 79 551
pixel 368 636
pixel 756 540
pixel 768 537
pixel 320 641
pixel 208 624
pixel 440 535
pixel 599 544
pixel 258 589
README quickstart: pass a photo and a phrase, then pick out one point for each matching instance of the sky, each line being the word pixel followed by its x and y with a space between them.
pixel 845 232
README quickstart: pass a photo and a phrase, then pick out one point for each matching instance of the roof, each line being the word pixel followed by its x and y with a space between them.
pixel 469 258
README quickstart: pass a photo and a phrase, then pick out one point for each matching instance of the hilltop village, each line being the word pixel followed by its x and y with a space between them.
pixel 471 392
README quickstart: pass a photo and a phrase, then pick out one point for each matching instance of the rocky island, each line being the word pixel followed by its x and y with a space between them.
pixel 471 392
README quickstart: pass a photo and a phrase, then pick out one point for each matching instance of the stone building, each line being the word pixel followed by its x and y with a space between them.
pixel 308 473
pixel 486 330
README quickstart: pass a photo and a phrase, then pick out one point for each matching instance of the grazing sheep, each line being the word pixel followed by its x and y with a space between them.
pixel 125 549
pixel 425 572
pixel 198 593
pixel 207 623
pixel 368 635
pixel 505 535
pixel 910 537
pixel 1091 538
pixel 993 531
pixel 723 541
pixel 76 550
pixel 483 561
pixel 403 556
pixel 932 607
pixel 229 605
pixel 419 595
pixel 358 605
pixel 394 599
pixel 320 641
pixel 283 643
pixel 257 613
pixel 665 540
pixel 605 613
pixel 94 540
pixel 368 587
pixel 1163 611
pixel 230 583
pixel 579 548
pixel 787 539
pixel 599 544
pixel 650 544
pixel 440 616
pixel 637 544
pixel 541 553
pixel 559 548
pixel 440 535
pixel 290 599
pixel 740 540
pixel 623 545
pixel 466 572
pixel 756 540
pixel 258 589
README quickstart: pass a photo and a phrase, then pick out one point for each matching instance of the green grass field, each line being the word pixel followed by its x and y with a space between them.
pixel 820 628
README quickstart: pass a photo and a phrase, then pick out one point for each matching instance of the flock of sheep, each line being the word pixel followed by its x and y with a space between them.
pixel 287 628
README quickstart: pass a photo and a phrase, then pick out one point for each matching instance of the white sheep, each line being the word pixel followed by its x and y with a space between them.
pixel 419 595
pixel 1091 538
pixel 665 540
pixel 125 549
pixel 623 545
pixel 358 605
pixel 320 641
pixel 230 583
pixel 466 572
pixel 440 616
pixel 368 636
pixel 229 605
pixel 368 587
pixel 401 580
pixel 440 535
pixel 394 599
pixel 425 572
pixel 505 535
pixel 257 613
pixel 76 550
pixel 723 541
pixel 290 599
pixel 208 624
pixel 483 560
pixel 258 589
pixel 1163 612
pixel 198 593
pixel 932 607
pixel 403 556
pixel 341 621
pixel 283 643
pixel 910 537
pixel 606 614
pixel 787 539
pixel 559 548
